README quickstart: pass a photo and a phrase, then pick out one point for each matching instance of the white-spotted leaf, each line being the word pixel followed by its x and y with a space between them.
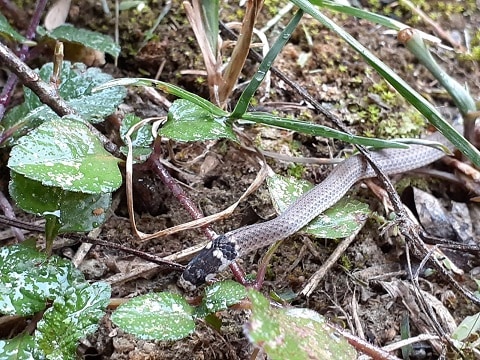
pixel 73 315
pixel 293 334
pixel 190 122
pixel 28 278
pixel 18 348
pixel 76 84
pixel 84 37
pixel 156 316
pixel 142 138
pixel 76 212
pixel 65 154
pixel 6 30
pixel 219 296
pixel 341 220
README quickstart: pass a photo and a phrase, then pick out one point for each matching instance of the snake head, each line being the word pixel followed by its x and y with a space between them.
pixel 213 258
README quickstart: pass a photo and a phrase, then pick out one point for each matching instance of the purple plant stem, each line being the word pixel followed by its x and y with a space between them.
pixel 12 80
pixel 180 194
pixel 10 214
pixel 157 167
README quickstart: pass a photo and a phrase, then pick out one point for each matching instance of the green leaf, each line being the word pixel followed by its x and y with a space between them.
pixel 220 296
pixel 190 122
pixel 65 154
pixel 75 88
pixel 18 348
pixel 339 221
pixel 142 138
pixel 28 278
pixel 156 316
pixel 293 334
pixel 470 325
pixel 7 31
pixel 318 130
pixel 88 38
pixel 76 212
pixel 73 316
pixel 167 88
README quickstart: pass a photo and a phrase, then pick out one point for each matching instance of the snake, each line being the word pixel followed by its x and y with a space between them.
pixel 226 248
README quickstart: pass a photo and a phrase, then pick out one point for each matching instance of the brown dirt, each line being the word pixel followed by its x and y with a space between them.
pixel 341 81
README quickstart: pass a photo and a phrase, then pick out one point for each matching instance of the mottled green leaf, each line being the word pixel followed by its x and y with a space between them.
pixel 76 212
pixel 87 38
pixel 293 334
pixel 341 220
pixel 65 154
pixel 18 348
pixel 470 325
pixel 28 278
pixel 156 316
pixel 6 30
pixel 73 316
pixel 219 296
pixel 190 122
pixel 76 87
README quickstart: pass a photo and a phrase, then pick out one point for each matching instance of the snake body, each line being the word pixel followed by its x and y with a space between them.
pixel 224 249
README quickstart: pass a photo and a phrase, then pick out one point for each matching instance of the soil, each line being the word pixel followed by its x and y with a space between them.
pixel 355 292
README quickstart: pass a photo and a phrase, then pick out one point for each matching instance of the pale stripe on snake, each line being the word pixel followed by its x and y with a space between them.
pixel 224 249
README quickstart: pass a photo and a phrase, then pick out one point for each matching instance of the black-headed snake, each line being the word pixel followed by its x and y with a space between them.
pixel 224 249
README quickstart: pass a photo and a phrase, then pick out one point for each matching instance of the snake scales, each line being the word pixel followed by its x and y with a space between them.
pixel 224 249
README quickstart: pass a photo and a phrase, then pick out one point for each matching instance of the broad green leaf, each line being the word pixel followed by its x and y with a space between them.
pixel 220 296
pixel 142 138
pixel 75 88
pixel 73 316
pixel 156 316
pixel 65 154
pixel 293 334
pixel 76 212
pixel 6 30
pixel 190 122
pixel 18 348
pixel 470 325
pixel 339 221
pixel 87 38
pixel 28 279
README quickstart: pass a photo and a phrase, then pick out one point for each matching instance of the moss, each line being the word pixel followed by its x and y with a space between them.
pixel 386 114
pixel 296 170
pixel 346 263
pixel 474 54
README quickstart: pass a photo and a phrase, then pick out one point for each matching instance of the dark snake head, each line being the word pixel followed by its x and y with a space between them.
pixel 215 257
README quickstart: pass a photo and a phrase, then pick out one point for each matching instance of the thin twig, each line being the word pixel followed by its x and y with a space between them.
pixel 7 92
pixel 160 263
pixel 9 213
pixel 47 93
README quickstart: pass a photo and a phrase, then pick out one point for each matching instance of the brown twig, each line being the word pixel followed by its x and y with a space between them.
pixel 177 191
pixel 47 93
pixel 9 213
pixel 7 91
pixel 161 263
